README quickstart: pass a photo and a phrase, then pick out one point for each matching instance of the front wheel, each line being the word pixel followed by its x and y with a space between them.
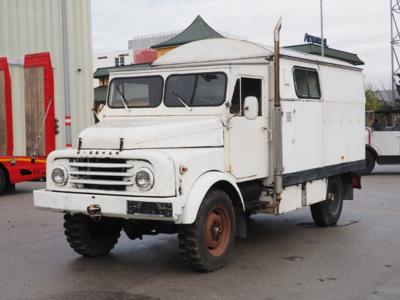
pixel 89 237
pixel 327 213
pixel 207 243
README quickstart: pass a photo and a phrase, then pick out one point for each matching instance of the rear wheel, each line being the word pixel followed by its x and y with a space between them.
pixel 3 181
pixel 207 243
pixel 327 213
pixel 89 237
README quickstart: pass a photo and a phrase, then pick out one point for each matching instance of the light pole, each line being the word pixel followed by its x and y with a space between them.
pixel 322 30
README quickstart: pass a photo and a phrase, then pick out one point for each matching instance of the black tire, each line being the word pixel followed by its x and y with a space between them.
pixel 3 182
pixel 90 238
pixel 208 250
pixel 327 213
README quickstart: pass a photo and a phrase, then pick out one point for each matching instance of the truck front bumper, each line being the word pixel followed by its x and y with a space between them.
pixel 127 207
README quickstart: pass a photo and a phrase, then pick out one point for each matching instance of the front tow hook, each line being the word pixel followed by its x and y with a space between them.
pixel 94 211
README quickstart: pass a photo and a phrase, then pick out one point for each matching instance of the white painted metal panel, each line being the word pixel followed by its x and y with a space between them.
pixel 28 27
pixel 316 191
pixel 291 199
pixel 386 143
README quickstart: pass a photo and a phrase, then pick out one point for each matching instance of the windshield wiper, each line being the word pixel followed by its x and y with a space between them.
pixel 123 98
pixel 180 99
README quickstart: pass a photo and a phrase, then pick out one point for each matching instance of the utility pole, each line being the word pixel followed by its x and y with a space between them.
pixel 394 44
pixel 66 72
pixel 322 30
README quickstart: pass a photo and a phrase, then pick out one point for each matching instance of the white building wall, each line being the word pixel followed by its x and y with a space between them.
pixel 27 27
pixel 107 59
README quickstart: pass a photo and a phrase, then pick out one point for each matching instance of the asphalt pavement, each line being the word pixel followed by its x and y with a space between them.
pixel 284 257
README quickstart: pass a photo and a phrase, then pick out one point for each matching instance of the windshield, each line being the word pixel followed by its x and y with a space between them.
pixel 205 89
pixel 136 92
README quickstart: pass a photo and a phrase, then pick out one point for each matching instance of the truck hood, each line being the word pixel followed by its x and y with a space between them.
pixel 154 132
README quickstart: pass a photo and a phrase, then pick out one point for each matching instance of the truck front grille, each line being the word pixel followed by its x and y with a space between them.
pixel 101 173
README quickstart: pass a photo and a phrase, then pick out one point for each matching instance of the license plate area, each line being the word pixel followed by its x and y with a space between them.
pixel 159 209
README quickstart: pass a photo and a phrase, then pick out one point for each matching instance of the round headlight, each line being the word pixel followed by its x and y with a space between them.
pixel 144 179
pixel 59 176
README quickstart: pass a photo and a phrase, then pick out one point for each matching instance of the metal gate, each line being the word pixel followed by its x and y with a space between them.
pixel 39 105
pixel 6 130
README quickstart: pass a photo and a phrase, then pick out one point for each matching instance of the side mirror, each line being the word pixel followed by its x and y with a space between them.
pixel 250 108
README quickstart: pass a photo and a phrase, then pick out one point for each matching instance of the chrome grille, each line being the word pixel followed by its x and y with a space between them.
pixel 101 173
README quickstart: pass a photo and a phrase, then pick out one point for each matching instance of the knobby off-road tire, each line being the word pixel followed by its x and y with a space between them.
pixel 327 213
pixel 90 238
pixel 3 182
pixel 207 243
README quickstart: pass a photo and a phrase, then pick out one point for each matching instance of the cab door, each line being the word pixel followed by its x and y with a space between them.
pixel 248 149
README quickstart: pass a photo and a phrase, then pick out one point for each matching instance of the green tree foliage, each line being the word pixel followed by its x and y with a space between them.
pixel 372 100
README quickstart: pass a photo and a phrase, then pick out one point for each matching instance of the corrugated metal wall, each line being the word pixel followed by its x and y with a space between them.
pixel 32 26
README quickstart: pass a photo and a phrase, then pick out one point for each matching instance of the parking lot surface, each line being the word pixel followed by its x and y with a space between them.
pixel 284 257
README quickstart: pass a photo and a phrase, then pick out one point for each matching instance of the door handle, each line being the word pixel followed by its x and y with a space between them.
pixel 269 133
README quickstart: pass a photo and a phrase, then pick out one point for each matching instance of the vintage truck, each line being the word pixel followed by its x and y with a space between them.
pixel 212 132
pixel 382 139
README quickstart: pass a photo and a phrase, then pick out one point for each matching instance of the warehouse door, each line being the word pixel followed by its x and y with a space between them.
pixel 6 138
pixel 39 105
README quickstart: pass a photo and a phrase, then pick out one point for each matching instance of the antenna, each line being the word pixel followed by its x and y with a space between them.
pixel 322 30
pixel 395 45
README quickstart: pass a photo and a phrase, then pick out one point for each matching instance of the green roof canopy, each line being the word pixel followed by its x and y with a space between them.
pixel 348 57
pixel 198 30
pixel 105 72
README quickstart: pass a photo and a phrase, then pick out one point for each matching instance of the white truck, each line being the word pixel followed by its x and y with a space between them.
pixel 212 132
pixel 382 139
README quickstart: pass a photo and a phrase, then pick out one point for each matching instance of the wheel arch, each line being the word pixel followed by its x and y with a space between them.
pixel 372 150
pixel 6 173
pixel 207 182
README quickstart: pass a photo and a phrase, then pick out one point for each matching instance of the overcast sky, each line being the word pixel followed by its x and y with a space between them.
pixel 358 26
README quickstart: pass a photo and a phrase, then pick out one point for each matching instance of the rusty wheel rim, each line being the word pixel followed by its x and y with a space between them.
pixel 217 231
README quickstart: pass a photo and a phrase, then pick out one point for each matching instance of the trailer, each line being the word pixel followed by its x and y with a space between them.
pixel 213 132
pixel 46 86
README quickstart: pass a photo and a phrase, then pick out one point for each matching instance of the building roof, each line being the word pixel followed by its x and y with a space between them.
pixel 385 96
pixel 230 51
pixel 105 72
pixel 348 57
pixel 198 30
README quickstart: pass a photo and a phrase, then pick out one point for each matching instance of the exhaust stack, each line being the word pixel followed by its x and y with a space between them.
pixel 277 145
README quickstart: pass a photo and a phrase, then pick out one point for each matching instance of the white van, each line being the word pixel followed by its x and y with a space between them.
pixel 383 139
pixel 212 132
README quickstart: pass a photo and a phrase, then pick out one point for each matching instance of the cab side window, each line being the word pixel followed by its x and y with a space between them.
pixel 251 87
pixel 246 87
pixel 307 83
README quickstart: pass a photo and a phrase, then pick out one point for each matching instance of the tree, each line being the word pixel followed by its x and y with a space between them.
pixel 372 100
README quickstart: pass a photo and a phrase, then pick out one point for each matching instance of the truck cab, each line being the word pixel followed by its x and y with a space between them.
pixel 383 139
pixel 202 139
